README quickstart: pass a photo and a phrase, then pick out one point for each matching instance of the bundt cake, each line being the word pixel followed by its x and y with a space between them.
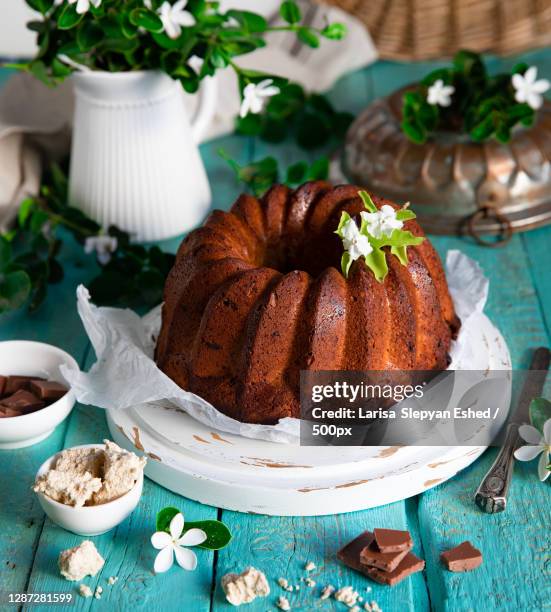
pixel 256 296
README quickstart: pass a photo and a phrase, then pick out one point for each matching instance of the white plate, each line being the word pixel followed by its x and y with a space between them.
pixel 248 475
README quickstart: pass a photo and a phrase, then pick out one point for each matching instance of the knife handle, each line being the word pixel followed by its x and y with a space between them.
pixel 491 495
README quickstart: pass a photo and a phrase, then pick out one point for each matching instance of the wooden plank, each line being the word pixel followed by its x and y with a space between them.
pixel 537 245
pixel 23 518
pixel 515 542
pixel 281 546
pixel 126 549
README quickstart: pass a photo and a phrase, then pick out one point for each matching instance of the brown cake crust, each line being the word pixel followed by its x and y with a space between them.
pixel 256 295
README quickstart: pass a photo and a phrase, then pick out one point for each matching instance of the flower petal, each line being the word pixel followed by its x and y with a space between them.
pixel 518 81
pixel 164 560
pixel 543 472
pixel 531 74
pixel 160 539
pixel 177 526
pixel 185 558
pixel 527 453
pixel 530 434
pixel 541 86
pixel 547 432
pixel 193 537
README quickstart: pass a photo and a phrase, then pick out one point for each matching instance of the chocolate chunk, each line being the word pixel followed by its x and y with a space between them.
pixel 9 412
pixel 3 381
pixel 388 562
pixel 15 383
pixel 47 390
pixel 350 556
pixel 392 540
pixel 462 558
pixel 410 564
pixel 23 401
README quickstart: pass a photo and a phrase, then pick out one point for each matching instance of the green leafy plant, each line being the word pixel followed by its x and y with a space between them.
pixel 218 534
pixel 31 254
pixel 188 41
pixel 540 411
pixel 380 232
pixel 310 119
pixel 260 175
pixel 472 102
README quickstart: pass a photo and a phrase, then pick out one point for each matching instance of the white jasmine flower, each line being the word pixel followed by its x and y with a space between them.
pixel 355 243
pixel 440 94
pixel 172 545
pixel 254 96
pixel 383 222
pixel 103 246
pixel 83 6
pixel 528 89
pixel 536 444
pixel 174 17
pixel 147 4
pixel 195 63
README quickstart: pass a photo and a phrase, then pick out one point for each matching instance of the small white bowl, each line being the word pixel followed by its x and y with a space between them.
pixel 23 358
pixel 89 520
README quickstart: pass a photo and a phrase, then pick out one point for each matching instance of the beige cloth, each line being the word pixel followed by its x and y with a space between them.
pixel 35 121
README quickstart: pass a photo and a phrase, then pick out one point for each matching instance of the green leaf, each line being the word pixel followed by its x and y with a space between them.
pixel 42 6
pixel 89 34
pixel 405 214
pixel 25 209
pixel 376 262
pixel 296 173
pixel 308 37
pixel 401 253
pixel 368 202
pixel 319 170
pixel 69 17
pixel 218 534
pixel 346 263
pixel 144 18
pixel 345 218
pixel 540 411
pixel 5 252
pixel 290 12
pixel 252 21
pixel 15 288
pixel 334 31
pixel 414 131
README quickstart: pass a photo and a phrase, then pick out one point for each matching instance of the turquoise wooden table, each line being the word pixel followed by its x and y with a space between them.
pixel 516 573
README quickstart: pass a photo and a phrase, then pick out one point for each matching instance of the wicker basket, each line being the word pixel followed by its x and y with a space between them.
pixel 425 29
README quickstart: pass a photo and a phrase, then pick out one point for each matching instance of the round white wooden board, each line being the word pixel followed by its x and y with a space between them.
pixel 257 476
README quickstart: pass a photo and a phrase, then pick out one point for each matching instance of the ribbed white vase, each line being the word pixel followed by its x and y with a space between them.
pixel 134 158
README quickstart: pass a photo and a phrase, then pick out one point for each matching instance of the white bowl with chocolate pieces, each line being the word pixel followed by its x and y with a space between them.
pixel 90 489
pixel 34 399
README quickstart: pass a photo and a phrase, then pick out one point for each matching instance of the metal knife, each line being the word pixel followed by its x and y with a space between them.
pixel 491 495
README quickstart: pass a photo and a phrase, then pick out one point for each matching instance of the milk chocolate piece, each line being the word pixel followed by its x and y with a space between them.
pixel 350 554
pixel 392 540
pixel 15 383
pixel 388 562
pixel 3 381
pixel 462 558
pixel 410 564
pixel 23 401
pixel 48 390
pixel 9 412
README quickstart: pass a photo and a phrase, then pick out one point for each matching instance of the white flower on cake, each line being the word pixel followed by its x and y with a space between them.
pixel 383 222
pixel 83 6
pixel 440 94
pixel 254 96
pixel 356 244
pixel 172 545
pixel 174 17
pixel 195 63
pixel 536 444
pixel 529 89
pixel 104 247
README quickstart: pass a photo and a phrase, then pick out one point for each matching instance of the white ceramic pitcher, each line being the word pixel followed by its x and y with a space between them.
pixel 134 158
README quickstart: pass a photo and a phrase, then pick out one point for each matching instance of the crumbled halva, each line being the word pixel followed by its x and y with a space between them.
pixel 80 561
pixel 243 588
